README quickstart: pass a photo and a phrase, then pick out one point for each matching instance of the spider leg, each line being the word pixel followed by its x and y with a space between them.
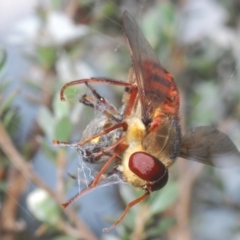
pixel 104 151
pixel 96 104
pixel 102 100
pixel 120 148
pixel 94 80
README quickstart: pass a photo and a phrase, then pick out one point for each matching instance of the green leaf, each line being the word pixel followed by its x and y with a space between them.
pixel 47 56
pixel 162 226
pixel 206 111
pixel 48 151
pixel 3 186
pixel 127 193
pixel 72 94
pixel 8 119
pixel 4 85
pixel 46 121
pixel 43 207
pixel 57 3
pixel 61 109
pixel 4 160
pixel 64 238
pixel 3 59
pixel 167 13
pixel 8 101
pixel 166 197
pixel 63 129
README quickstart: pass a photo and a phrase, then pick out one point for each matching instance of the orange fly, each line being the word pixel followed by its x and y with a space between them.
pixel 144 137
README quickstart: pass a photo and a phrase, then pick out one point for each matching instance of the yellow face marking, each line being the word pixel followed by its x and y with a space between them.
pixel 135 132
pixel 95 140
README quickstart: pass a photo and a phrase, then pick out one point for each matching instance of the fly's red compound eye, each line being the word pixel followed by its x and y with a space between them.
pixel 150 169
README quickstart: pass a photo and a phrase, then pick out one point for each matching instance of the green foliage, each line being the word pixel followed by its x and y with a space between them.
pixel 64 238
pixel 72 96
pixel 3 58
pixel 46 56
pixel 163 199
pixel 46 121
pixel 9 119
pixel 161 226
pixel 57 3
pixel 63 129
pixel 43 207
pixel 8 113
pixel 157 203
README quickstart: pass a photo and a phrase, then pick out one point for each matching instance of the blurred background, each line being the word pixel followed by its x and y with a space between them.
pixel 45 44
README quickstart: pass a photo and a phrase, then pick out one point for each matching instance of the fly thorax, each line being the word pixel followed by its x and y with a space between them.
pixel 134 135
pixel 135 132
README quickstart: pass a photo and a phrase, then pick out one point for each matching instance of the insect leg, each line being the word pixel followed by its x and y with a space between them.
pixel 94 80
pixel 131 204
pixel 131 101
pixel 121 147
pixel 124 125
pixel 133 91
pixel 92 102
pixel 103 101
pixel 104 151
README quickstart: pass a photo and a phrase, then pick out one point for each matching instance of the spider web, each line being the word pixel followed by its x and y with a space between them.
pixel 87 172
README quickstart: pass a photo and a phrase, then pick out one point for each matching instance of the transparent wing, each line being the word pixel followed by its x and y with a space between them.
pixel 210 146
pixel 152 79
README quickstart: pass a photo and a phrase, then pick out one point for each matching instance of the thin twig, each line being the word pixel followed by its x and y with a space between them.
pixel 16 158
pixel 9 225
pixel 61 165
pixel 189 174
pixel 141 219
